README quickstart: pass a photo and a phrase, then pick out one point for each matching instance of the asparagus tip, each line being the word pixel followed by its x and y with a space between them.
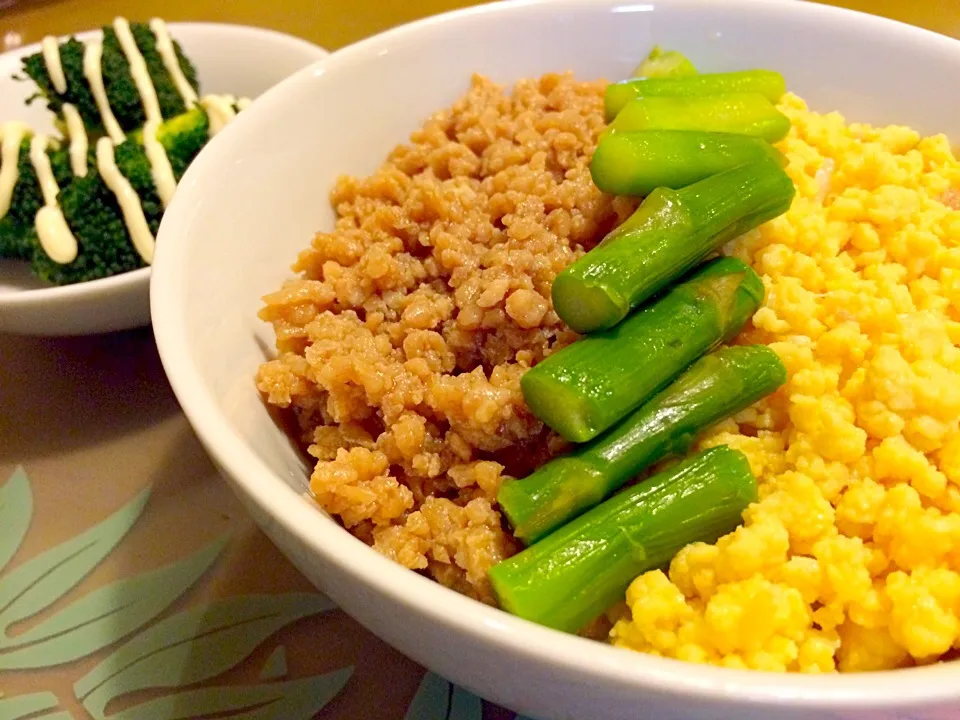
pixel 664 63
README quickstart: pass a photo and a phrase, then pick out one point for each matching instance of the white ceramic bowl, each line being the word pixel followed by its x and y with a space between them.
pixel 254 199
pixel 231 59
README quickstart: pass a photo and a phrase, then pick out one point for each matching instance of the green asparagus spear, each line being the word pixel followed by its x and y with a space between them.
pixel 576 573
pixel 636 163
pixel 765 82
pixel 745 114
pixel 590 385
pixel 664 63
pixel 669 233
pixel 713 388
pixel 768 83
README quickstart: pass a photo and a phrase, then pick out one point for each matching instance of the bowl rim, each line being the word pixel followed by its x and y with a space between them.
pixel 19 298
pixel 887 690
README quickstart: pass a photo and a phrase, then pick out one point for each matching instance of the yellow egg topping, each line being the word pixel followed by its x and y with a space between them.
pixel 850 561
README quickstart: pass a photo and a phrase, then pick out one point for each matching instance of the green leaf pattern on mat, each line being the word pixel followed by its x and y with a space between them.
pixel 276 665
pixel 185 649
pixel 291 700
pixel 431 701
pixel 24 706
pixel 437 699
pixel 32 707
pixel 464 705
pixel 107 615
pixel 16 511
pixel 40 582
pixel 193 646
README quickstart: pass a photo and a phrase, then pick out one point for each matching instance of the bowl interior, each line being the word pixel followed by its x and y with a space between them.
pixel 251 203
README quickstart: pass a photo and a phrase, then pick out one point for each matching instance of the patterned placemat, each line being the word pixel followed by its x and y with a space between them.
pixel 134 586
pixel 169 641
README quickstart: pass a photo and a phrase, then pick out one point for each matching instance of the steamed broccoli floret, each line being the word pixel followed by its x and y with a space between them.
pixel 78 92
pixel 16 240
pixel 104 247
pixel 134 164
pixel 15 227
pixel 89 206
pixel 122 93
pixel 171 102
pixel 96 220
pixel 184 137
pixel 91 210
pixel 17 236
pixel 27 197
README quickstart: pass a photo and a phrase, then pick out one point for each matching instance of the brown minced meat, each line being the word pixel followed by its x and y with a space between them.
pixel 402 341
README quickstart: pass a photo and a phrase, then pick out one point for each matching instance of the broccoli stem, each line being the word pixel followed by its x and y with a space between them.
pixel 765 82
pixel 585 388
pixel 669 233
pixel 575 574
pixel 744 113
pixel 713 388
pixel 664 63
pixel 636 163
pixel 182 138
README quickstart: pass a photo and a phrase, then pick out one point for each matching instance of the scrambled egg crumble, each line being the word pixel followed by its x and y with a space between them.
pixel 850 561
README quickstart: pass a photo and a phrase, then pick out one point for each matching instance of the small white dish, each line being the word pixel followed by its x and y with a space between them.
pixel 234 59
pixel 230 237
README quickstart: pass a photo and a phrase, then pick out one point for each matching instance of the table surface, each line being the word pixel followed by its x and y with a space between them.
pixel 95 427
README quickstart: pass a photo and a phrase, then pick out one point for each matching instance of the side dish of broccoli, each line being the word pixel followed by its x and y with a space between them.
pixel 90 207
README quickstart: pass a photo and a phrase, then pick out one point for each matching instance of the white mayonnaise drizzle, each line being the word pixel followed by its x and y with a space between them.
pixel 219 109
pixel 52 230
pixel 162 171
pixel 138 70
pixel 51 58
pixel 169 56
pixel 54 234
pixel 127 199
pixel 41 165
pixel 92 54
pixel 13 133
pixel 78 140
pixel 159 162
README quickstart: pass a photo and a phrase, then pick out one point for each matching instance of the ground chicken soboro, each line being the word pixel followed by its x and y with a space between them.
pixel 403 341
pixel 851 559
